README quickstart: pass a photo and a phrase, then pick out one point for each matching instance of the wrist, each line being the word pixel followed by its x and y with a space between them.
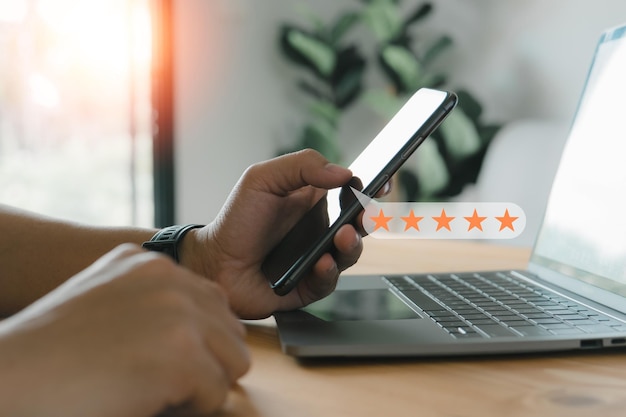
pixel 195 252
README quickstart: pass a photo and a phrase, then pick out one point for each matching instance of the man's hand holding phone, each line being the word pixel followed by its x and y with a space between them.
pixel 374 167
pixel 278 226
pixel 267 202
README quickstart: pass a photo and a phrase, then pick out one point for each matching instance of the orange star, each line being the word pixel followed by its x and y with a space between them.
pixel 506 220
pixel 475 221
pixel 381 221
pixel 443 220
pixel 412 221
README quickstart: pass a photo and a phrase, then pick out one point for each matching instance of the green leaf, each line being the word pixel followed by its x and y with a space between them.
pixel 305 10
pixel 342 27
pixel 312 90
pixel 326 111
pixel 383 19
pixel 435 49
pixel 404 63
pixel 488 132
pixel 460 135
pixel 432 80
pixel 322 136
pixel 430 167
pixel 384 103
pixel 348 86
pixel 469 104
pixel 421 12
pixel 321 55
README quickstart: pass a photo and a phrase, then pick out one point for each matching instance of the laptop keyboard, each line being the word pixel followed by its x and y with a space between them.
pixel 497 304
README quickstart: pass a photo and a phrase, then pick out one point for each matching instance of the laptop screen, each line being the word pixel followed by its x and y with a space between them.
pixel 584 231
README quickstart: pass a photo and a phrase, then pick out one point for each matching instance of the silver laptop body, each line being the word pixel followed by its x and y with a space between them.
pixel 572 296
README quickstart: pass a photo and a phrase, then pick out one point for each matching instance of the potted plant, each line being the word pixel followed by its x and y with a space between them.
pixel 451 158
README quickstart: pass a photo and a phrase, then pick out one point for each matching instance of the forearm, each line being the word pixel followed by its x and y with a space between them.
pixel 39 253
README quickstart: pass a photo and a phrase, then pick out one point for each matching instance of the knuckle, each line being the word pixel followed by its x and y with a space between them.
pixel 219 392
pixel 184 340
pixel 243 365
pixel 175 303
pixel 253 171
pixel 157 265
pixel 309 153
pixel 126 250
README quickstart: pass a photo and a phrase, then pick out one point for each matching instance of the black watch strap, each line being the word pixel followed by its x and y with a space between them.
pixel 167 240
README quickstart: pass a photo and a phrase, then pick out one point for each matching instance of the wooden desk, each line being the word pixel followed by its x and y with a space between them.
pixel 578 384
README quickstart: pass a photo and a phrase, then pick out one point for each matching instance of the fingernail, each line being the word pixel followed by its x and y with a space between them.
pixel 357 241
pixel 334 168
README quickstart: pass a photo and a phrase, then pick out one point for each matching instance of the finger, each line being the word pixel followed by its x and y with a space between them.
pixel 320 282
pixel 293 171
pixel 223 333
pixel 346 196
pixel 323 278
pixel 349 246
pixel 209 392
pixel 386 189
pixel 209 295
pixel 358 224
pixel 226 343
pixel 220 324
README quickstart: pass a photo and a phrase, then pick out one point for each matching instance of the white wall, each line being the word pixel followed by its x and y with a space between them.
pixel 232 103
pixel 236 103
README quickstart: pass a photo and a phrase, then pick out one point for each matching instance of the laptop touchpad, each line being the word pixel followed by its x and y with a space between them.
pixel 374 304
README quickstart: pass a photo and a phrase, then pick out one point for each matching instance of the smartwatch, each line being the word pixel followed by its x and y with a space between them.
pixel 167 240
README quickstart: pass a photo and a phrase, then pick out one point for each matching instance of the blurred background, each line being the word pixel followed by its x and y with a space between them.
pixel 75 109
pixel 252 79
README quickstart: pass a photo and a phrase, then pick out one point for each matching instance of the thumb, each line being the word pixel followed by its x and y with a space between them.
pixel 290 172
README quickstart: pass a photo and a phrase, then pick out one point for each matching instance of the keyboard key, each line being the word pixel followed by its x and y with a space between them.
pixel 559 311
pixel 459 329
pixel 467 335
pixel 449 321
pixel 609 321
pixel 400 283
pixel 515 323
pixel 474 316
pixel 466 312
pixel 486 320
pixel 535 316
pixel 504 317
pixel 571 317
pixel 547 321
pixel 422 300
pixel 560 325
pixel 582 322
pixel 441 313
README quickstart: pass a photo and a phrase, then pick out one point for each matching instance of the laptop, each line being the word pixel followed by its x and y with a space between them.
pixel 572 295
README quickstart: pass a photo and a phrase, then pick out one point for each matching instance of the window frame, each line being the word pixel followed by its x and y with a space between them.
pixel 163 89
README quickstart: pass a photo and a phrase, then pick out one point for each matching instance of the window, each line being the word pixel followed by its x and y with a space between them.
pixel 75 109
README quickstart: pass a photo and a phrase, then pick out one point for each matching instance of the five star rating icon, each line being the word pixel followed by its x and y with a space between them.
pixel 441 220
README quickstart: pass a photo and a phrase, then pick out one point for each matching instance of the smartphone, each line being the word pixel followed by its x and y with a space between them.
pixel 306 242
